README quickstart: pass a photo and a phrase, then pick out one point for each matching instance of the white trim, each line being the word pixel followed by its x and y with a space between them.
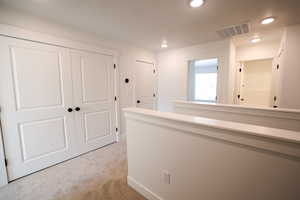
pixel 117 103
pixel 3 172
pixel 141 189
pixel 143 61
pixel 156 85
pixel 256 59
pixel 264 138
pixel 266 112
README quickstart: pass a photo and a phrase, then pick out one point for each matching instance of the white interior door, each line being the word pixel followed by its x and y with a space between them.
pixel 35 94
pixel 94 95
pixel 145 85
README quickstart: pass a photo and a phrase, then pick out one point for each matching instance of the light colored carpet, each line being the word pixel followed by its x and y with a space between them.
pixel 98 175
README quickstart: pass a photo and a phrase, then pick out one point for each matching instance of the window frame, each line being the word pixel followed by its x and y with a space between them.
pixel 191 81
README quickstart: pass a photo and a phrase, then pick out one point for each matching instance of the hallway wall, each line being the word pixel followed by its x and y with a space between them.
pixel 290 69
pixel 173 70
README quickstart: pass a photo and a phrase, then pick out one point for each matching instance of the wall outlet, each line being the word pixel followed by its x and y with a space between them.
pixel 166 176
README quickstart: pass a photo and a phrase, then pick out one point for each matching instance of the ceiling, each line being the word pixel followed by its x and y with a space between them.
pixel 146 23
pixel 272 35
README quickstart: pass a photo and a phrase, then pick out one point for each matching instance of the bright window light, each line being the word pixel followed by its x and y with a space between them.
pixel 202 80
pixel 206 87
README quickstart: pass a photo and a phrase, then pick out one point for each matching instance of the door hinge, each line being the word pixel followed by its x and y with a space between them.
pixel 115 98
pixel 115 66
pixel 6 162
pixel 116 129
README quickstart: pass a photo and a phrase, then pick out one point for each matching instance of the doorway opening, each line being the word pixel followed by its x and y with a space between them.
pixel 254 83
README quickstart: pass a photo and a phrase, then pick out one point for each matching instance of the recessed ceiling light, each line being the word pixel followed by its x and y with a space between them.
pixel 255 40
pixel 196 3
pixel 268 20
pixel 164 44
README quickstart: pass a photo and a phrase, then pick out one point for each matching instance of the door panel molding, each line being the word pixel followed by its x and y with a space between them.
pixel 108 127
pixel 86 82
pixel 94 97
pixel 146 85
pixel 31 121
pixel 64 147
pixel 18 84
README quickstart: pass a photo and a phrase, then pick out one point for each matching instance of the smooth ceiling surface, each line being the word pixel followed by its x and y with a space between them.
pixel 146 23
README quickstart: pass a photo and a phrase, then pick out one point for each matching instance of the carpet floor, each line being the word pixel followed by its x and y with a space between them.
pixel 98 175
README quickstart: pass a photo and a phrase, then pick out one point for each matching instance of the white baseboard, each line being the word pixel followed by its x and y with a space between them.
pixel 148 194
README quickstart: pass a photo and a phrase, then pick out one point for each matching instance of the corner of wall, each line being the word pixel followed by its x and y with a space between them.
pixel 232 72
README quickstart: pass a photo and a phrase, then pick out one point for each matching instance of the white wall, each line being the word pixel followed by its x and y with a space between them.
pixel 128 54
pixel 173 70
pixel 209 161
pixel 127 69
pixel 290 70
pixel 232 72
pixel 261 50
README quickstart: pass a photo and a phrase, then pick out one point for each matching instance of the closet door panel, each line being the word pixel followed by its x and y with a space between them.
pixel 94 95
pixel 35 92
pixel 31 66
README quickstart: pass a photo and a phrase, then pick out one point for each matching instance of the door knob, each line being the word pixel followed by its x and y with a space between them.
pixel 70 110
pixel 138 101
pixel 77 109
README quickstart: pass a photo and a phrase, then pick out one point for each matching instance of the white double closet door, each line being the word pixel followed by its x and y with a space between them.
pixel 40 88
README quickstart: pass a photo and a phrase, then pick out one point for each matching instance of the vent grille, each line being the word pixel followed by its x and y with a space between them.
pixel 234 30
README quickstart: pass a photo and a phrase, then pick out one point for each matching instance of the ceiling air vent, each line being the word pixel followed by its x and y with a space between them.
pixel 234 30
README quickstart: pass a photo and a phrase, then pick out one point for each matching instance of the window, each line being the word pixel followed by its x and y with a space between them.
pixel 203 75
